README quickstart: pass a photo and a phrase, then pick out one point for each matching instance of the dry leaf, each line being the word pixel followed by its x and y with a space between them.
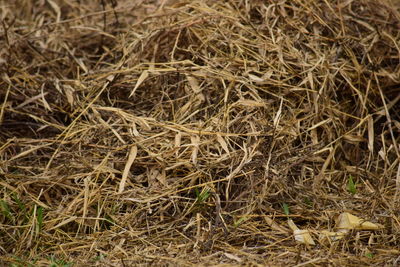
pixel 301 236
pixel 193 84
pixel 69 93
pixel 255 78
pixel 349 221
pixel 157 176
pixel 275 226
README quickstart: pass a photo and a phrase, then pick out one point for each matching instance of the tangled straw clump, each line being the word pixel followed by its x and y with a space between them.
pixel 173 132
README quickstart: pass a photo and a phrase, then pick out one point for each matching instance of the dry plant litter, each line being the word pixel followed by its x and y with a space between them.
pixel 237 132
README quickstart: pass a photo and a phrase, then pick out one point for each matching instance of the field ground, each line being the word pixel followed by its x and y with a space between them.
pixel 207 133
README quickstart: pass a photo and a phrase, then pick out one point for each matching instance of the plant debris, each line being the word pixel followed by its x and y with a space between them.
pixel 171 132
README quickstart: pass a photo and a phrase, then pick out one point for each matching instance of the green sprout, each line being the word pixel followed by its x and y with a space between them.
pixel 202 196
pixel 285 208
pixel 369 255
pixel 308 202
pixel 59 262
pixel 351 186
pixel 240 221
pixel 39 219
pixel 5 209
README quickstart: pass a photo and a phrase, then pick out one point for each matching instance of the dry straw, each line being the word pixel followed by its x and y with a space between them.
pixel 189 132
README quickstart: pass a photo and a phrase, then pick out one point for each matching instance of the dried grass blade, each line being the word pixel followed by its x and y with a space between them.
pixel 141 79
pixel 71 219
pixel 56 9
pixel 223 143
pixel 131 158
pixel 278 114
pixel 398 180
pixel 371 134
pixel 195 139
pixel 27 152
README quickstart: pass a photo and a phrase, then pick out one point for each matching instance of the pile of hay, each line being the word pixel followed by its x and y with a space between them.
pixel 191 132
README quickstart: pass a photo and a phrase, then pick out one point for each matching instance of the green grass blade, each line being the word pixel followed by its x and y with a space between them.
pixel 351 186
pixel 285 207
pixel 5 209
pixel 39 218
